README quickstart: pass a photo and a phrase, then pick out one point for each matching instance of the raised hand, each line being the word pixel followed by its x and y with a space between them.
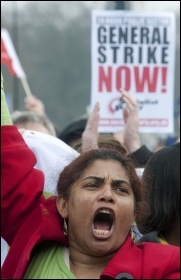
pixel 34 104
pixel 130 135
pixel 90 135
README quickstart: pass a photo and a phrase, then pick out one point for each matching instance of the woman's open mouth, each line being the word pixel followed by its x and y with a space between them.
pixel 103 223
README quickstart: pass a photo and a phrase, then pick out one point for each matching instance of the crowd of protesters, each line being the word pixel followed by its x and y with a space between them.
pixel 101 218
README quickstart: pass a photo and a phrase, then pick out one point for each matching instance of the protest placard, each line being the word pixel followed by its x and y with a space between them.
pixel 135 51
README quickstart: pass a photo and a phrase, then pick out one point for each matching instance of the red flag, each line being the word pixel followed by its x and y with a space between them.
pixel 9 56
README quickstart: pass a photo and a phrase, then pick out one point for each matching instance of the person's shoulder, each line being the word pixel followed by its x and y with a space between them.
pixel 50 202
pixel 160 252
pixel 160 261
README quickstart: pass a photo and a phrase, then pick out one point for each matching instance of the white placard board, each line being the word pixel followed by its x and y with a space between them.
pixel 135 51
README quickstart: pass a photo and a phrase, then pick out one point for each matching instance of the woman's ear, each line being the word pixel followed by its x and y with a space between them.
pixel 62 206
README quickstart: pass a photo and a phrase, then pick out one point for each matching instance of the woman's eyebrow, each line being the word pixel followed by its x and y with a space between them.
pixel 120 181
pixel 101 179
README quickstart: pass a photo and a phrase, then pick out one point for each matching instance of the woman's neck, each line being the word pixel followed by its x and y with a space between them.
pixel 84 266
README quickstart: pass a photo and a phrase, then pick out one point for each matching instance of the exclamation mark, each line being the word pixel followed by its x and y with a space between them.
pixel 164 78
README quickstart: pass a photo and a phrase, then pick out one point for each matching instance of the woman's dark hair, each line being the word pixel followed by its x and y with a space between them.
pixel 73 171
pixel 161 182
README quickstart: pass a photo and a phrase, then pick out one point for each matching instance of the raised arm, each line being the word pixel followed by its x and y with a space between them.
pixel 130 135
pixel 90 135
pixel 22 185
pixel 129 138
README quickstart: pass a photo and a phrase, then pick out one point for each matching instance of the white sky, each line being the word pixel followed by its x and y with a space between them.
pixel 149 5
pixel 157 5
pixel 23 3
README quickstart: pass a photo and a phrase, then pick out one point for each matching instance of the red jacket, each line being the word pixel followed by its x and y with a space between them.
pixel 28 218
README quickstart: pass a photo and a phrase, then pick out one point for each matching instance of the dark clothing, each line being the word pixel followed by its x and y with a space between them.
pixel 73 131
pixel 141 156
pixel 149 237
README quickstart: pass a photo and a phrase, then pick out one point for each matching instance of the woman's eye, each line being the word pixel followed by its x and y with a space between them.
pixel 121 190
pixel 92 185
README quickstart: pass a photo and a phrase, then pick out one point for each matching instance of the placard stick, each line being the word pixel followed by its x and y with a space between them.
pixel 26 87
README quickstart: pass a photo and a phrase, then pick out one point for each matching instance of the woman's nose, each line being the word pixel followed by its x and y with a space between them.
pixel 107 194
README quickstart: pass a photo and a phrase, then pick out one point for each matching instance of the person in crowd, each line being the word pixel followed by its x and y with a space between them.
pixel 33 121
pixel 73 131
pixel 84 231
pixel 33 104
pixel 161 182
